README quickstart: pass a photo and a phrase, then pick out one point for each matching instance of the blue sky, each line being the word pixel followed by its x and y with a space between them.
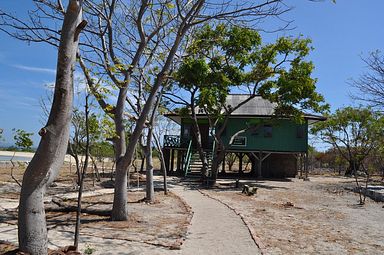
pixel 341 34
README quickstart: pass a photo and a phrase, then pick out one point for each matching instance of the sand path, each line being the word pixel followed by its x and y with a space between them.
pixel 214 229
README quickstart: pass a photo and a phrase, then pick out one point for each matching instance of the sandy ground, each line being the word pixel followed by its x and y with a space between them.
pixel 151 229
pixel 308 217
pixel 288 217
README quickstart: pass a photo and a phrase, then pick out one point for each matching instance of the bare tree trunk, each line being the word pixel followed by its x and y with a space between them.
pixel 150 189
pixel 83 173
pixel 218 157
pixel 96 169
pixel 161 154
pixel 49 156
pixel 142 164
pixel 203 158
pixel 197 133
pixel 119 209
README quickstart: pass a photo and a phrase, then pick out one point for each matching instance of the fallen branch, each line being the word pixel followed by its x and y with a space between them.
pixel 61 206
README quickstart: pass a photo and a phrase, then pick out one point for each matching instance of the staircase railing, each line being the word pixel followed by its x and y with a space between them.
pixel 209 174
pixel 188 158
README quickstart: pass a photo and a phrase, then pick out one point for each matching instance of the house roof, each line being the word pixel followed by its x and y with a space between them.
pixel 256 107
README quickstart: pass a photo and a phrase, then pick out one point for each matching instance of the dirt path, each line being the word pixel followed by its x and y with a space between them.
pixel 215 229
pixel 315 217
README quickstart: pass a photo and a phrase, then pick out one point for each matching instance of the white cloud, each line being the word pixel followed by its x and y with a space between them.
pixel 35 69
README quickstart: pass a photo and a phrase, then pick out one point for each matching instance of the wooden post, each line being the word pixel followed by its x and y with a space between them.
pixel 306 166
pixel 182 157
pixel 253 162
pixel 223 166
pixel 296 165
pixel 300 165
pixel 241 163
pixel 166 159
pixel 260 159
pixel 172 159
pixel 178 161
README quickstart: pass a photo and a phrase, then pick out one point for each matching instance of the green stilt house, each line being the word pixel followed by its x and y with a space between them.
pixel 275 148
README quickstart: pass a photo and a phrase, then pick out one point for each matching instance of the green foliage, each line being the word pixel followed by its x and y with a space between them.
pixel 222 58
pixel 354 132
pixel 79 135
pixel 102 150
pixel 107 127
pixel 22 139
pixel 101 129
pixel 1 134
pixel 89 249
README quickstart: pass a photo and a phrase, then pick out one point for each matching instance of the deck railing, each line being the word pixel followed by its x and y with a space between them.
pixel 175 141
pixel 172 141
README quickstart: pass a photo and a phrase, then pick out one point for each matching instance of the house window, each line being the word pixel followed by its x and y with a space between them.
pixel 300 132
pixel 255 130
pixel 267 130
pixel 239 141
pixel 186 131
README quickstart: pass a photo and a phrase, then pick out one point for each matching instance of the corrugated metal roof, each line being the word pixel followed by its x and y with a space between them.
pixel 256 106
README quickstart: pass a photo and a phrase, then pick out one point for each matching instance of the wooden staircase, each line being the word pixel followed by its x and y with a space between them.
pixel 193 169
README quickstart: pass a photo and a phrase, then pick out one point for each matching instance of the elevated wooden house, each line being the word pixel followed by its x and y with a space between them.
pixel 276 147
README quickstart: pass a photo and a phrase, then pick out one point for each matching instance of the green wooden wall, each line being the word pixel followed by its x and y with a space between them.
pixel 286 135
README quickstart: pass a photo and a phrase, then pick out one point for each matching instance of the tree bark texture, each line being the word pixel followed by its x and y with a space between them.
pixel 49 157
pixel 218 157
pixel 162 161
pixel 150 189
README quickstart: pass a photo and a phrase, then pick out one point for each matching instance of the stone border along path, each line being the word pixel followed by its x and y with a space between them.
pixel 251 230
pixel 215 228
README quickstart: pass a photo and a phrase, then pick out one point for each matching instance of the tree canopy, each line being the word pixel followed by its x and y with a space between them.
pixel 222 58
pixel 354 132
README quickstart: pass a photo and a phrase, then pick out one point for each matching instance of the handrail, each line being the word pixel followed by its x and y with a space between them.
pixel 188 158
pixel 213 152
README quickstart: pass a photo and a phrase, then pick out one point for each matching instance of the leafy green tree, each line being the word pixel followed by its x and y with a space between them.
pixel 353 132
pixel 22 139
pixel 222 58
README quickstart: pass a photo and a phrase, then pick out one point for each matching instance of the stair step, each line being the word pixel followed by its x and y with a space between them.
pixel 195 164
pixel 196 175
